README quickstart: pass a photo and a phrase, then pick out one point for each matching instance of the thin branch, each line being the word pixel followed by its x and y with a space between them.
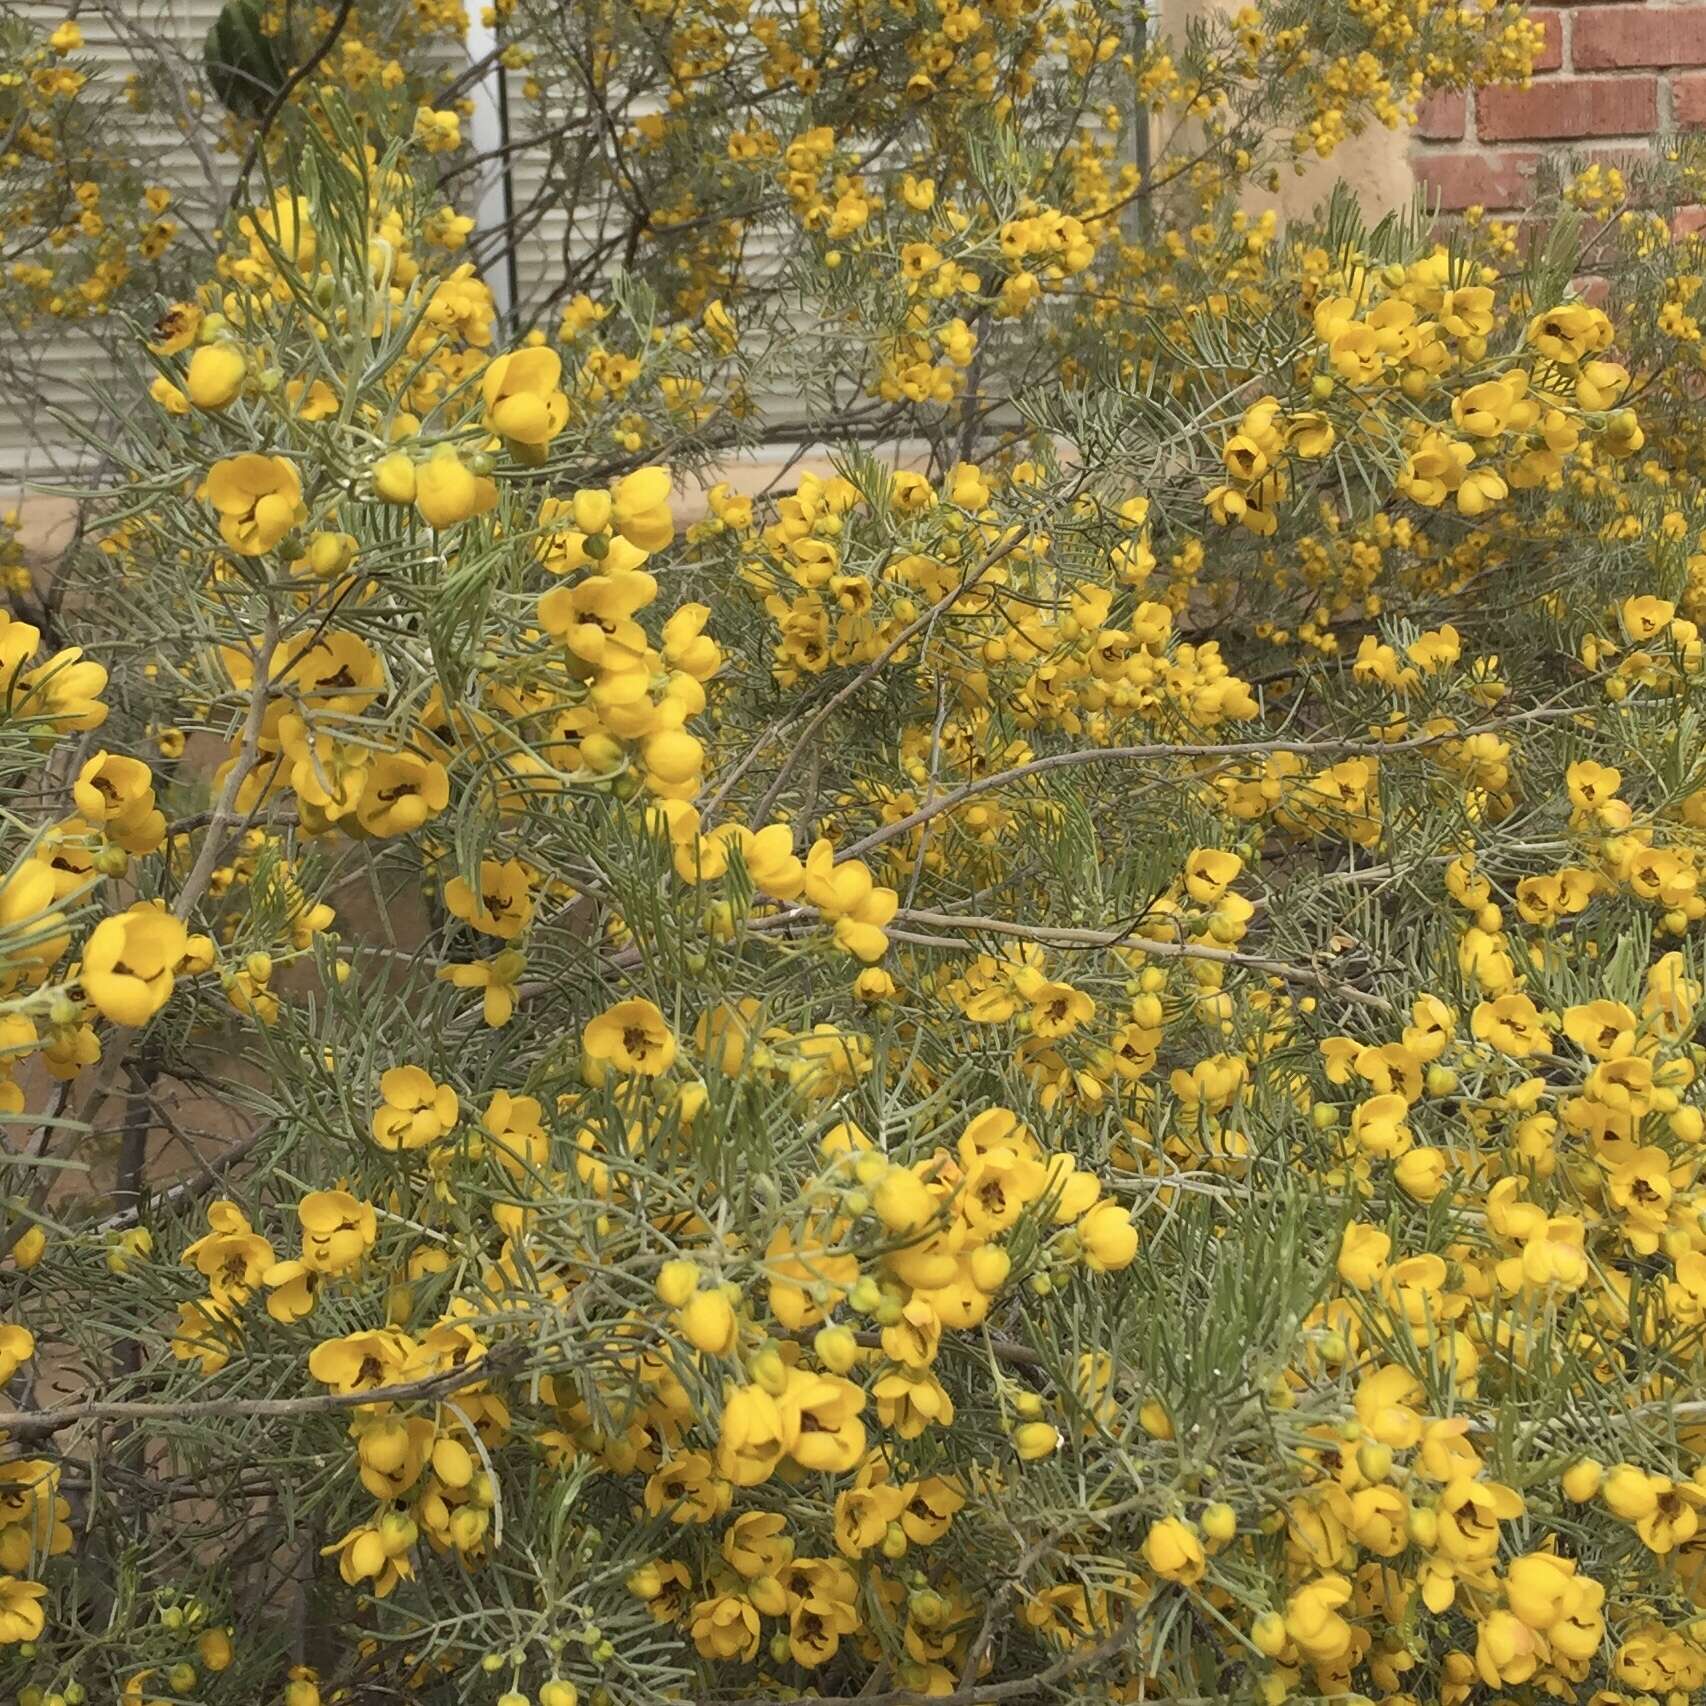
pixel 1229 749
pixel 274 107
pixel 224 808
pixel 205 1179
pixel 140 1410
pixel 875 667
pixel 1066 936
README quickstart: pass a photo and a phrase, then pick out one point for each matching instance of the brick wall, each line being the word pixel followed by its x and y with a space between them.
pixel 1611 74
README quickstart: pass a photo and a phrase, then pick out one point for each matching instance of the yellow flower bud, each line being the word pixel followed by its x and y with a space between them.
pixel 394 479
pixel 1174 1552
pixel 1154 1420
pixel 837 1348
pixel 1035 1439
pixel 677 1281
pixel 329 554
pixel 708 1323
pixel 903 1202
pixel 216 375
pixel 1219 1522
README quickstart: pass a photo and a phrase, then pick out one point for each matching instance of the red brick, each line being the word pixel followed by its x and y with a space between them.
pixel 1688 101
pixel 1441 117
pixel 1497 180
pixel 1687 220
pixel 1551 54
pixel 1569 109
pixel 1613 37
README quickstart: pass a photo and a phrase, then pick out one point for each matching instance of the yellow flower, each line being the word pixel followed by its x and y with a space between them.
pixel 1507 1651
pixel 215 1649
pixel 1209 872
pixel 176 329
pixel 673 759
pixel 1605 1029
pixel 725 1627
pixel 514 1124
pixel 707 1322
pixel 258 499
pixel 753 1436
pixel 1362 1255
pixel 819 1416
pixel 756 1544
pixel 394 479
pixel 1480 490
pixel 216 375
pixel 1512 1025
pixel 128 963
pixel 1421 1173
pixel 360 1362
pixel 400 792
pixel 687 1488
pixel 1057 1009
pixel 17 1346
pixel 438 132
pixel 337 1230
pixel 29 1247
pixel 1174 1551
pixel 330 554
pixel 909 1400
pixel 300 1690
pixel 1313 1622
pixel 999 1183
pixel 1378 1124
pixel 1386 1403
pixel 815 1627
pixel 503 905
pixel 1469 1514
pixel 202 1336
pixel 313 400
pixel 118 793
pixel 364 1556
pixel 21 1614
pixel 903 1202
pixel 292 1288
pixel 1568 333
pixel 1108 1238
pixel 524 404
pixel 232 1256
pixel 27 896
pixel 414 1111
pixel 640 508
pixel 631 1037
pixel 447 491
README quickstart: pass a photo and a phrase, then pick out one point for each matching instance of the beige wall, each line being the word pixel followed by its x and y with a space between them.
pixel 1376 165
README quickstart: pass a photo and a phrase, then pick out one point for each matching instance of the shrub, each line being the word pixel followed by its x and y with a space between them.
pixel 1062 1065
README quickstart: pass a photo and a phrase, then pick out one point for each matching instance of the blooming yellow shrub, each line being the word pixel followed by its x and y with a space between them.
pixel 1060 1066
